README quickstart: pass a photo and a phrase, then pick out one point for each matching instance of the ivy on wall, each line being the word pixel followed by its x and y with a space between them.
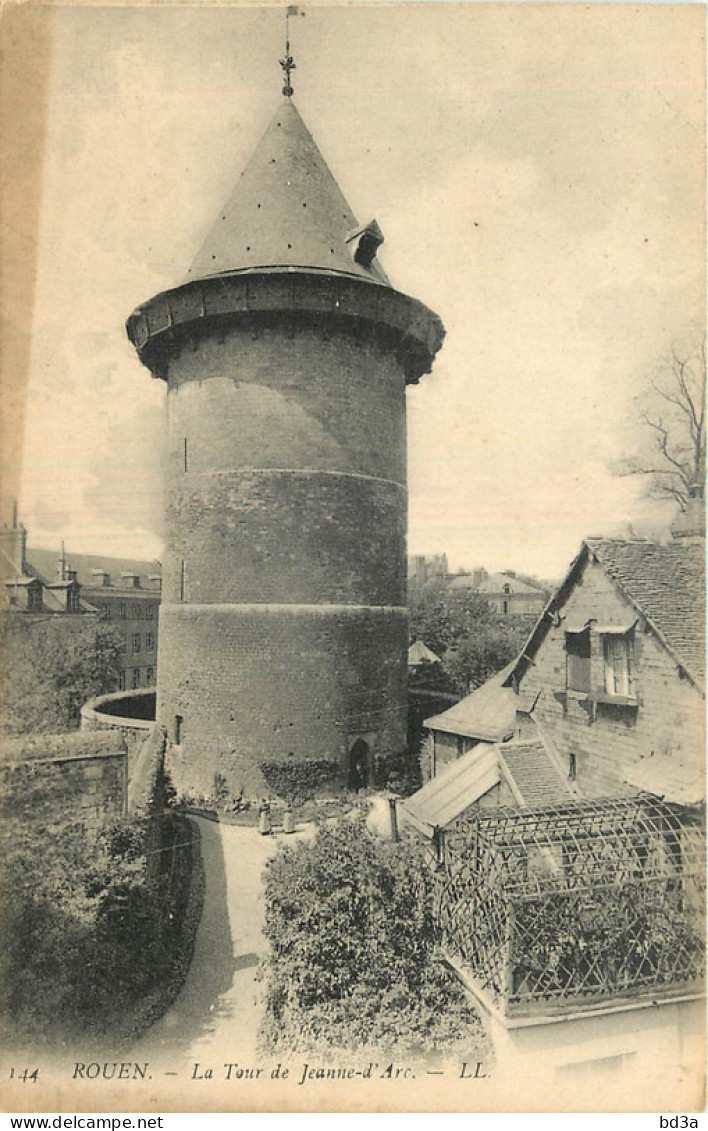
pixel 298 781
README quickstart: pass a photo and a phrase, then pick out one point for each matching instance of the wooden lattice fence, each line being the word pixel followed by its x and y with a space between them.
pixel 575 904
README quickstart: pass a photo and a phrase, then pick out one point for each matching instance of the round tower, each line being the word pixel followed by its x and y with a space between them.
pixel 286 353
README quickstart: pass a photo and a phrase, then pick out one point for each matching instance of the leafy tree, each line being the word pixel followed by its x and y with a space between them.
pixel 672 410
pixel 483 653
pixel 50 668
pixel 440 616
pixel 472 640
pixel 353 960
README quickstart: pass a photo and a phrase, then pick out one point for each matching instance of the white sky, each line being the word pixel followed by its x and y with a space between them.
pixel 537 171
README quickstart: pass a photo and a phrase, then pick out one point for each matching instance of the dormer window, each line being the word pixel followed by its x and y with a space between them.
pixel 365 242
pixel 600 661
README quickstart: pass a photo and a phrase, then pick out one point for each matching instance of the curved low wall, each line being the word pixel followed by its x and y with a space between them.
pixel 132 713
pixel 131 707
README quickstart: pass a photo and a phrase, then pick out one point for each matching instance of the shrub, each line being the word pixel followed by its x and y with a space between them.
pixel 86 928
pixel 353 960
pixel 398 773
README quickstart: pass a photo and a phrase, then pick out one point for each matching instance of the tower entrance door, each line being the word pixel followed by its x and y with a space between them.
pixel 359 765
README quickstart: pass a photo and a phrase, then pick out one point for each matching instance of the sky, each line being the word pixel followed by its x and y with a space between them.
pixel 537 171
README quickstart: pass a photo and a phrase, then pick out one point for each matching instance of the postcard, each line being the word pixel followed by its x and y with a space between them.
pixel 352 697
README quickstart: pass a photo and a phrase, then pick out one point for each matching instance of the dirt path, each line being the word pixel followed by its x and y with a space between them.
pixel 217 1014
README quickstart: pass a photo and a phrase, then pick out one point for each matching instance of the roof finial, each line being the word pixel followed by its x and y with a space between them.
pixel 288 63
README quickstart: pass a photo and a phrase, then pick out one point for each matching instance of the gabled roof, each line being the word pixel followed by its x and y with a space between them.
pixel 532 774
pixel 495 583
pixel 665 584
pixel 533 777
pixel 419 653
pixel 488 713
pixel 43 563
pixel 285 211
pixel 673 777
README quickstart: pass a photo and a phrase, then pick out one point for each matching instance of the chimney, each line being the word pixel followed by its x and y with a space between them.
pixel 13 542
pixel 689 527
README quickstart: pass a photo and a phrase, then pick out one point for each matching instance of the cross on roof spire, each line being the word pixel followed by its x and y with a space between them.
pixel 288 63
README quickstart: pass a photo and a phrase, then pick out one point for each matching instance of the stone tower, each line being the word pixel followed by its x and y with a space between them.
pixel 286 353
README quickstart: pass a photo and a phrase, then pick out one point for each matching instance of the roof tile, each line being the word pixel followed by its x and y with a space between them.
pixel 667 584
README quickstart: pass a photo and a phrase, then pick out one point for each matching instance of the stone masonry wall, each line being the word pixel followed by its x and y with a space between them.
pixel 296 682
pixel 606 738
pixel 298 537
pixel 283 628
pixel 301 398
pixel 64 779
pixel 102 714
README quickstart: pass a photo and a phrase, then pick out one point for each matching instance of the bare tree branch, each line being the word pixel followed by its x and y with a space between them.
pixel 674 415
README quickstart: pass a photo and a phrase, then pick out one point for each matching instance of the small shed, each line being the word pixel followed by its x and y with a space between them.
pixel 487 714
pixel 419 653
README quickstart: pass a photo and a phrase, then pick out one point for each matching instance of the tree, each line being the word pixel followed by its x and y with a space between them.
pixel 441 616
pixel 473 641
pixel 88 933
pixel 353 960
pixel 673 412
pixel 51 667
pixel 483 653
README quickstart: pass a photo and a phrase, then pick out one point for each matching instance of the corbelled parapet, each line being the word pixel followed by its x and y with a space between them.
pixel 179 318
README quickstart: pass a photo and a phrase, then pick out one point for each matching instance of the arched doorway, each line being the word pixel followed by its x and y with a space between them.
pixel 359 765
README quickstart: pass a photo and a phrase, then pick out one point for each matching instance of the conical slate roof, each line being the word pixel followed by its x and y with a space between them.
pixel 285 211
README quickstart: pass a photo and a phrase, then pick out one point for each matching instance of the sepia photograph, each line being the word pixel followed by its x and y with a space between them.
pixel 352 537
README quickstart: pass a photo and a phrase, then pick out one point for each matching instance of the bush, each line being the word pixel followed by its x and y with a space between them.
pixel 400 774
pixel 86 928
pixel 353 960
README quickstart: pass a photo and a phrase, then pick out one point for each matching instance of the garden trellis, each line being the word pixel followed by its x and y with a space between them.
pixel 568 907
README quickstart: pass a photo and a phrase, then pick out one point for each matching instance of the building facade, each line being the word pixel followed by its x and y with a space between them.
pixel 612 677
pixel 286 355
pixel 507 594
pixel 608 691
pixel 570 844
pixel 422 569
pixel 123 592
